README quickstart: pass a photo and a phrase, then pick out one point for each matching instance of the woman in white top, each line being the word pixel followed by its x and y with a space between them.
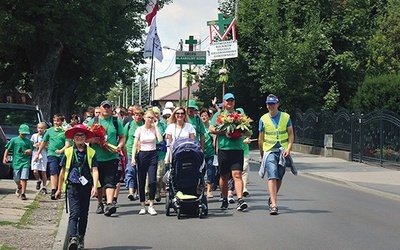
pixel 178 127
pixel 147 159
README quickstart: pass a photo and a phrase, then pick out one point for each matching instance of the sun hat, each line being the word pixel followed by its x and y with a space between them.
pixel 192 104
pixel 229 96
pixel 166 112
pixel 271 99
pixel 169 105
pixel 105 102
pixel 78 128
pixel 24 129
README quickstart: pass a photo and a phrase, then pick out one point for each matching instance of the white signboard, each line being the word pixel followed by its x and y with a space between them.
pixel 223 50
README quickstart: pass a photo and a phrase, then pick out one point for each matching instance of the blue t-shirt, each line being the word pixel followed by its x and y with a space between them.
pixel 275 121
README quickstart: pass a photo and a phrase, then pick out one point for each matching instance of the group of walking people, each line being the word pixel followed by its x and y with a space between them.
pixel 90 159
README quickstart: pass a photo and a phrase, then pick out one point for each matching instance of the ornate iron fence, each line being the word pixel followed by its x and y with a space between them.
pixel 373 137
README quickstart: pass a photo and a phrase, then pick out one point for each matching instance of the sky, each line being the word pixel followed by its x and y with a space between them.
pixel 178 21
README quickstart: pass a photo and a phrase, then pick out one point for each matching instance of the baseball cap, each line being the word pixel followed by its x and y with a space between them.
pixel 24 129
pixel 192 104
pixel 271 99
pixel 105 102
pixel 229 96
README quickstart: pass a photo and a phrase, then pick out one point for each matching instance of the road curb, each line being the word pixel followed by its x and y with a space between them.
pixel 60 240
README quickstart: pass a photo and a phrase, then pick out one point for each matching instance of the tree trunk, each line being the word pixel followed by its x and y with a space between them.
pixel 44 70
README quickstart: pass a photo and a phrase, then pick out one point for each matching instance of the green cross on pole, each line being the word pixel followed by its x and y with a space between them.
pixel 191 42
pixel 222 22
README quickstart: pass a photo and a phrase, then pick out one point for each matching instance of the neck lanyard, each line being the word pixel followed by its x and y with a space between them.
pixel 79 164
pixel 179 131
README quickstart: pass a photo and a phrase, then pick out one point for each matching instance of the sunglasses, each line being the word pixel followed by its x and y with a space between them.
pixel 179 113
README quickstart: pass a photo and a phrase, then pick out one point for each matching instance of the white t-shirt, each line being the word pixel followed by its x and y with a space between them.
pixel 177 133
pixel 147 138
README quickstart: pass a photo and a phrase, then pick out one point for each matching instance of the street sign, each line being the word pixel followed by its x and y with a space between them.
pixel 223 49
pixel 191 57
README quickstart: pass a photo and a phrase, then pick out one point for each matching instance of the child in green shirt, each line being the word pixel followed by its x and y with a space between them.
pixel 21 148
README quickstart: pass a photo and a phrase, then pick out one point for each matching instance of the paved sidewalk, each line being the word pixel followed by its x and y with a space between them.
pixel 370 178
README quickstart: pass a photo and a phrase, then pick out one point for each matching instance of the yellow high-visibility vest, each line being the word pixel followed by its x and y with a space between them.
pixel 273 134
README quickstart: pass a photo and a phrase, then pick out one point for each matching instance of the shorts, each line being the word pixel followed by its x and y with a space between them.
pixel 21 174
pixel 230 160
pixel 274 170
pixel 108 173
pixel 54 164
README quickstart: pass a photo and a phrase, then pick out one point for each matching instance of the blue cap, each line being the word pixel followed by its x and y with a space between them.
pixel 229 96
pixel 272 99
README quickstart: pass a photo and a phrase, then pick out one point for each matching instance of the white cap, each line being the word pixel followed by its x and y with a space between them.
pixel 169 105
pixel 166 111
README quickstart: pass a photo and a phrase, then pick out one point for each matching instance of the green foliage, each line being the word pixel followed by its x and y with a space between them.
pixel 331 99
pixel 382 92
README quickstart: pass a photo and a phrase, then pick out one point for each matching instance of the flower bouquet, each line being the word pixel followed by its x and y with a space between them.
pixel 235 124
pixel 100 131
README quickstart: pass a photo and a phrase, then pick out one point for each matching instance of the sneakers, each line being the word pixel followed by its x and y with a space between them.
pixel 273 210
pixel 23 197
pixel 115 203
pixel 158 197
pixel 152 211
pixel 245 192
pixel 220 197
pixel 131 197
pixel 44 190
pixel 18 192
pixel 100 208
pixel 231 199
pixel 73 243
pixel 110 209
pixel 38 185
pixel 225 204
pixel 142 211
pixel 241 205
pixel 53 194
pixel 81 242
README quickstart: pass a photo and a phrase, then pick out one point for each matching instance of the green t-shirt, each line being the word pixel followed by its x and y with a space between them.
pixel 208 144
pixel 198 126
pixel 162 126
pixel 55 139
pixel 108 124
pixel 224 143
pixel 18 146
pixel 129 131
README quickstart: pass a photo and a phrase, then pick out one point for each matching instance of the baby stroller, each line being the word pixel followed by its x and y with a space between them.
pixel 185 180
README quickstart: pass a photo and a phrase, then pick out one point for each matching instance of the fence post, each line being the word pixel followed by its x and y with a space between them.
pixel 328 145
pixel 352 133
pixel 381 137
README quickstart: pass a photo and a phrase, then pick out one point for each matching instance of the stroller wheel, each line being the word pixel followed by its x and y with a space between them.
pixel 200 212
pixel 178 213
pixel 168 204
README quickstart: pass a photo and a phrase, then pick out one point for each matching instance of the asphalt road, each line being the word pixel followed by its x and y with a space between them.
pixel 313 214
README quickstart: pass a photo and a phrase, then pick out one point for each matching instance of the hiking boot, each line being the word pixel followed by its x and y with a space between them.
pixel 241 205
pixel 53 194
pixel 81 242
pixel 100 208
pixel 110 209
pixel 225 204
pixel 152 211
pixel 23 197
pixel 73 243
pixel 38 185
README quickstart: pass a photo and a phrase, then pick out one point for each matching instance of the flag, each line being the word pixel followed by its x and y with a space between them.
pixel 151 11
pixel 148 46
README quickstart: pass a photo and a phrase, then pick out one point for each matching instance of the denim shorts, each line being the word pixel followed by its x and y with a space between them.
pixel 54 164
pixel 274 171
pixel 21 174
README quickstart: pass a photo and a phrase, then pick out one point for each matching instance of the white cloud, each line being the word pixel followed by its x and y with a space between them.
pixel 178 21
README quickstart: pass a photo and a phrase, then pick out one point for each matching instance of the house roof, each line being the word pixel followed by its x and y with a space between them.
pixel 174 96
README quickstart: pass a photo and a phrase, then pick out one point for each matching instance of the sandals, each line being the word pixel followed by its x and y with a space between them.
pixel 273 210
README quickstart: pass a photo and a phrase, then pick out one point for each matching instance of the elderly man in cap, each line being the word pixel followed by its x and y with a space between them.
pixel 230 156
pixel 275 131
pixel 196 121
pixel 108 160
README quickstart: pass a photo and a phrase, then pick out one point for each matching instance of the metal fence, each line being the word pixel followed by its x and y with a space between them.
pixel 372 137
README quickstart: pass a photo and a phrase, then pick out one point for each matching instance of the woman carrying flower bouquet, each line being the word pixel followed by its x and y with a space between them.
pixel 146 137
pixel 225 124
